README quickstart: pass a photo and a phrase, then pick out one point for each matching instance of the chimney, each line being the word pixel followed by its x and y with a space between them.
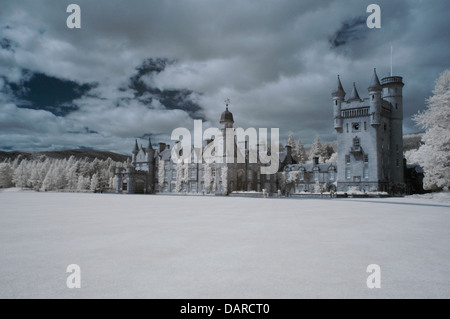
pixel 316 160
pixel 162 147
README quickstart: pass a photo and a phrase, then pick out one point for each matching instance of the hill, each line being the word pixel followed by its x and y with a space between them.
pixel 78 154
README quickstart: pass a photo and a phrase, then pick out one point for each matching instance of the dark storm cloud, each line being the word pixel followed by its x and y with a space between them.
pixel 273 59
pixel 350 30
pixel 39 91
pixel 7 44
pixel 171 99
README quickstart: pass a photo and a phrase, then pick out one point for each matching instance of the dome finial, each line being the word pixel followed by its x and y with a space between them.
pixel 227 101
pixel 227 117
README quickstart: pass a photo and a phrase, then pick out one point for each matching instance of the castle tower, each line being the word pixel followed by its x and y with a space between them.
pixel 338 97
pixel 227 120
pixel 369 134
pixel 392 93
pixel 375 99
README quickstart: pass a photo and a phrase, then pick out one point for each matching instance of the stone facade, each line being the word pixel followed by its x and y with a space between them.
pixel 370 155
pixel 370 136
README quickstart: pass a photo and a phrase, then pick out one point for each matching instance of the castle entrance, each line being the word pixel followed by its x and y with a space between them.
pixel 140 187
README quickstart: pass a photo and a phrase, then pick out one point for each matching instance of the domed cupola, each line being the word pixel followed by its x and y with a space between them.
pixel 227 117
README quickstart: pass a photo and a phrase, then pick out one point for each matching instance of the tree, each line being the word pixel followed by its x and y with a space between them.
pixel 316 149
pixel 94 183
pixel 300 153
pixel 317 188
pixel 21 175
pixel 290 141
pixel 327 152
pixel 208 177
pixel 180 177
pixel 224 177
pixel 161 174
pixel 35 178
pixel 434 154
pixel 84 183
pixel 6 175
pixel 333 158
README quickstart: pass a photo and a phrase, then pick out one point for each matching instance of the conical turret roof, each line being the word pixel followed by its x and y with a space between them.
pixel 339 90
pixel 354 96
pixel 375 83
pixel 136 148
pixel 150 146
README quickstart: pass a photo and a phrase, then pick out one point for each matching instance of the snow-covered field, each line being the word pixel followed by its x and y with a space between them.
pixel 216 247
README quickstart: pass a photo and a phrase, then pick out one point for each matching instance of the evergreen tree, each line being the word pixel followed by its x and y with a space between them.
pixel 290 141
pixel 316 149
pixel 94 183
pixel 300 153
pixel 6 175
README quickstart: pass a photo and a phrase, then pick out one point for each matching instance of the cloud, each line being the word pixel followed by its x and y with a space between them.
pixel 158 65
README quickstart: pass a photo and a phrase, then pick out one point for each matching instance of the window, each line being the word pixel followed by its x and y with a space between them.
pixel 365 126
pixel 366 158
pixel 347 159
pixel 397 162
pixel 193 174
pixel 332 175
pixel 348 172
pixel 385 126
pixel 396 147
pixel 396 106
pixel 316 176
pixel 372 97
pixel 347 127
pixel 302 175
pixel 335 102
pixel 366 172
pixel 356 142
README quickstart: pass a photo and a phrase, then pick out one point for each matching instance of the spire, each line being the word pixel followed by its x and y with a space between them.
pixel 136 148
pixel 375 83
pixel 150 146
pixel 339 90
pixel 354 96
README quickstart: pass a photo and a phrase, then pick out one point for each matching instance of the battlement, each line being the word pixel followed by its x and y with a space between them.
pixel 391 79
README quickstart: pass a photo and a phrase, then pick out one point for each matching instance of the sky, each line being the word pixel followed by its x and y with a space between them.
pixel 140 69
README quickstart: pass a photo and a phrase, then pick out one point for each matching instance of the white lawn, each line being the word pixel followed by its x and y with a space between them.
pixel 221 247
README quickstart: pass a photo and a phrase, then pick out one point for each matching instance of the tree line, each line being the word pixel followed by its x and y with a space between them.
pixel 48 174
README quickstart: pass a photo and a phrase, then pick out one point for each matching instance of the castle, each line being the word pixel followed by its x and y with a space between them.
pixel 370 155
